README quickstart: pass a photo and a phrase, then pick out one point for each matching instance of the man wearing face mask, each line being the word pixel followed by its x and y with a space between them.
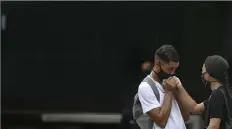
pixel 215 74
pixel 165 113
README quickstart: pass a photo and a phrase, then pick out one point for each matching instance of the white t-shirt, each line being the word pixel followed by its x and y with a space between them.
pixel 149 101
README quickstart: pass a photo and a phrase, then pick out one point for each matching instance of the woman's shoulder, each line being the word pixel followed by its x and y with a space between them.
pixel 217 93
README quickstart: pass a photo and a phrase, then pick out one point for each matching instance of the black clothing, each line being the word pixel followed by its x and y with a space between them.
pixel 216 108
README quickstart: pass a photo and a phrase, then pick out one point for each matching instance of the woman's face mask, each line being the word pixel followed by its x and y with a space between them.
pixel 204 81
pixel 203 78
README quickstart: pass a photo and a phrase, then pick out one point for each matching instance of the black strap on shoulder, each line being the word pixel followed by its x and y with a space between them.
pixel 153 87
pixel 206 120
pixel 226 97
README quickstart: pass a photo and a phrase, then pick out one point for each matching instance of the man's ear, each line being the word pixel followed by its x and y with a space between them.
pixel 157 62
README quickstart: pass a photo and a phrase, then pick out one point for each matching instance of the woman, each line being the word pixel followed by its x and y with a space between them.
pixel 215 75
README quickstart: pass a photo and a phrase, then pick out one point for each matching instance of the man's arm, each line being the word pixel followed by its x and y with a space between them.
pixel 158 113
pixel 161 114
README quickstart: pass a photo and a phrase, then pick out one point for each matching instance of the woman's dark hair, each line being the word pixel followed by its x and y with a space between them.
pixel 218 67
pixel 227 85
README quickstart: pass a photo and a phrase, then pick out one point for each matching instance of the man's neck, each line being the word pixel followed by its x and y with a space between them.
pixel 215 85
pixel 155 76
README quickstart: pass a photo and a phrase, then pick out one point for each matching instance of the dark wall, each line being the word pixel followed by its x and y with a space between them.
pixel 86 56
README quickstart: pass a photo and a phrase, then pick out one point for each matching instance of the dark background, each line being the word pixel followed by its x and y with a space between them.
pixel 86 56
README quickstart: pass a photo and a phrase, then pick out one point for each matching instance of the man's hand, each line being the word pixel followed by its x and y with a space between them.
pixel 170 84
pixel 178 82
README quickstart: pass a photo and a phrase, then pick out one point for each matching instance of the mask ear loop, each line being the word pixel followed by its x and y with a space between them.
pixel 210 82
pixel 155 71
pixel 213 81
pixel 206 82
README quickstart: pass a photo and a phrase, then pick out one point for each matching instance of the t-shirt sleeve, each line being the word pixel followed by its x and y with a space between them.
pixel 216 105
pixel 147 97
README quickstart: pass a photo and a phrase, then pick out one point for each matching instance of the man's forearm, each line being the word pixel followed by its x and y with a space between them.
pixel 160 115
pixel 166 107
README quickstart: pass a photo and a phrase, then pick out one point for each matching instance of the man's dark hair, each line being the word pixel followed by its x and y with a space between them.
pixel 167 53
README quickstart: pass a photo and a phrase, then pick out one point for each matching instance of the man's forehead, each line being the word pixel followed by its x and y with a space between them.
pixel 173 64
pixel 170 63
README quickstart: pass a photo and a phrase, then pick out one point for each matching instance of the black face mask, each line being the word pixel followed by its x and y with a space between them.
pixel 163 75
pixel 205 83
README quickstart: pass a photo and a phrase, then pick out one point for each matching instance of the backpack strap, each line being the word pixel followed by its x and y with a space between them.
pixel 206 117
pixel 226 102
pixel 153 87
pixel 137 108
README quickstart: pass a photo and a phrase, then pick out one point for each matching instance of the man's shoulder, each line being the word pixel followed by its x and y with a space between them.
pixel 148 77
pixel 144 85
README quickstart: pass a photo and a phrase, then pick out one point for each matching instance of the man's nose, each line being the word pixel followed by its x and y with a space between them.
pixel 172 72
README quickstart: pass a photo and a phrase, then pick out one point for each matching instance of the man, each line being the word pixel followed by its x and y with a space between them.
pixel 214 72
pixel 165 114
